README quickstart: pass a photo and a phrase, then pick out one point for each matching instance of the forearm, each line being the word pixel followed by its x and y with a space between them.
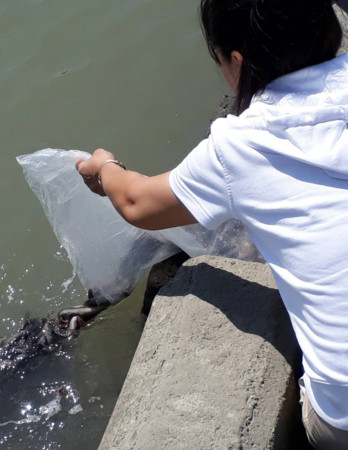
pixel 145 202
pixel 124 189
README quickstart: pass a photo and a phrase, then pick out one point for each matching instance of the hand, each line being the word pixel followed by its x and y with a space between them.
pixel 89 170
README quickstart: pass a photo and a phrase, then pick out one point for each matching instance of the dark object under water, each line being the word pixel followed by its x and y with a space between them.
pixel 38 336
pixel 35 336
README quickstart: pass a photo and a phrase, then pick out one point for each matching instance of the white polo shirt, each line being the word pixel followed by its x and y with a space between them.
pixel 281 167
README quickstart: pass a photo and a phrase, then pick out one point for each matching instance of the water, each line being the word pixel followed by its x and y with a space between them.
pixel 135 78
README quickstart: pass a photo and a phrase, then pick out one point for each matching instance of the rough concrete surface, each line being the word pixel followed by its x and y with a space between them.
pixel 213 369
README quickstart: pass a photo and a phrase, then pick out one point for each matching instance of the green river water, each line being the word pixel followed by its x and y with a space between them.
pixel 130 76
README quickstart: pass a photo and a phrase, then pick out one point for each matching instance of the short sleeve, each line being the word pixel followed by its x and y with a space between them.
pixel 199 183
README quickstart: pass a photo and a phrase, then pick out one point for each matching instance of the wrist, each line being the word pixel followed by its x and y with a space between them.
pixel 109 161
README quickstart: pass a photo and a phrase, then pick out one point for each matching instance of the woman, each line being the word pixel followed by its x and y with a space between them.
pixel 281 167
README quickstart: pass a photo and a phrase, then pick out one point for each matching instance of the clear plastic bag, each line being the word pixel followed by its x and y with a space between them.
pixel 108 254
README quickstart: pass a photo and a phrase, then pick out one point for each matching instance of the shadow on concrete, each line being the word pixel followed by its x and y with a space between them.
pixel 251 307
pixel 258 310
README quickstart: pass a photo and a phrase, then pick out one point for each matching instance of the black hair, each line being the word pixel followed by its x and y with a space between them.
pixel 275 37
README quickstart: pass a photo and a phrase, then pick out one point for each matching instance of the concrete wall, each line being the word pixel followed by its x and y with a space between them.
pixel 215 366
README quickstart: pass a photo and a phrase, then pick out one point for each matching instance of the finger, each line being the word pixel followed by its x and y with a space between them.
pixel 78 162
pixel 94 186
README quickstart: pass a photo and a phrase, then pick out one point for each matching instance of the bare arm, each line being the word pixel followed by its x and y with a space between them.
pixel 146 202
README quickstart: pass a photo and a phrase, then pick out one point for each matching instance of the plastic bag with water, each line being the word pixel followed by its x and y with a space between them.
pixel 108 254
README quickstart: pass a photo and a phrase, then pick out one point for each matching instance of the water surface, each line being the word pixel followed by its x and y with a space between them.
pixel 133 77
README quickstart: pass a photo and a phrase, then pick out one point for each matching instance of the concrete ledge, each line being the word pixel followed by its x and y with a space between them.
pixel 214 367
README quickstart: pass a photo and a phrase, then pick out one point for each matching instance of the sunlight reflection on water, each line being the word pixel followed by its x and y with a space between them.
pixel 73 75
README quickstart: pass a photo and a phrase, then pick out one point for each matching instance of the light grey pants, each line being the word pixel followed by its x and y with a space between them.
pixel 321 435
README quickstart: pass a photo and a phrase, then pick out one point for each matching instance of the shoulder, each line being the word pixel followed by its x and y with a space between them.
pixel 233 132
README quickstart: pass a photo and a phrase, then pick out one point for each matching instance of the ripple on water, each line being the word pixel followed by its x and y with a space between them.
pixel 41 400
pixel 36 287
pixel 37 403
